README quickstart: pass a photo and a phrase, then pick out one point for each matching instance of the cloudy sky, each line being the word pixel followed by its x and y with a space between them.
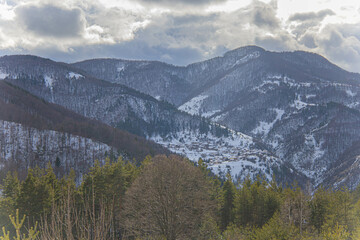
pixel 179 31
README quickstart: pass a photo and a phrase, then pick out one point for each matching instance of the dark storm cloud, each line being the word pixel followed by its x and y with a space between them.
pixel 51 21
pixel 311 16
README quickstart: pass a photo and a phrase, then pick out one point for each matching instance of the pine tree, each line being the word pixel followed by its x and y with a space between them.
pixel 11 185
pixel 319 207
pixel 228 205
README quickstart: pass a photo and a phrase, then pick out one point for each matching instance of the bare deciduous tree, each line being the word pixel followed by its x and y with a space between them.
pixel 170 199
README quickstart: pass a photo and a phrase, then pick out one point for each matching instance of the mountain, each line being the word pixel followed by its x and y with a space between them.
pixel 124 108
pixel 301 106
pixel 160 80
pixel 35 132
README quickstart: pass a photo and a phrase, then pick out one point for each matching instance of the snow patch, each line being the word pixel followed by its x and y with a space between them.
pixel 3 75
pixel 292 83
pixel 265 127
pixel 248 57
pixel 219 117
pixel 120 67
pixel 318 151
pixel 310 96
pixel 49 82
pixel 77 76
pixel 350 93
pixel 353 104
pixel 298 104
pixel 210 113
pixel 194 105
pixel 268 84
pixel 275 76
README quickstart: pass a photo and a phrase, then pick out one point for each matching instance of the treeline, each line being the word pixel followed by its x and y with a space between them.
pixel 167 197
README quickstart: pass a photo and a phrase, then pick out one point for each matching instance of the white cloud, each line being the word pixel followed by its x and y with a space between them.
pixel 6 11
pixel 179 32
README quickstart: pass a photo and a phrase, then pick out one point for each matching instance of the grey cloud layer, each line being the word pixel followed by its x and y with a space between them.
pixel 264 15
pixel 176 3
pixel 89 30
pixel 49 20
pixel 310 16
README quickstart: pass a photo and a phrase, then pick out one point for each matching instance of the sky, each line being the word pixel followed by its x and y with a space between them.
pixel 179 32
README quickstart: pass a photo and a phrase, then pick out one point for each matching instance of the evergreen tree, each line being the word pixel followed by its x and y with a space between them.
pixel 228 205
pixel 35 196
pixel 319 207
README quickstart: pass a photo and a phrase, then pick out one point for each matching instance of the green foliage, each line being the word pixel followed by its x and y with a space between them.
pixel 237 233
pixel 211 208
pixel 338 232
pixel 35 195
pixel 18 224
pixel 319 207
pixel 275 229
pixel 209 229
pixel 256 203
pixel 10 190
pixel 227 210
pixel 11 185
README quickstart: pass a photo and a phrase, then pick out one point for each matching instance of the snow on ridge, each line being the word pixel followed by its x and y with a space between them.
pixel 194 105
pixel 72 75
pixel 247 57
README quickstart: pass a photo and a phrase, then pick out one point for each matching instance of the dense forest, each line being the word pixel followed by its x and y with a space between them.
pixel 168 197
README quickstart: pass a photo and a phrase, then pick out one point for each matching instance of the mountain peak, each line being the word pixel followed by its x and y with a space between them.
pixel 243 51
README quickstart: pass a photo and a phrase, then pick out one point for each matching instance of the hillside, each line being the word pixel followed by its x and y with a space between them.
pixel 301 106
pixel 127 109
pixel 35 132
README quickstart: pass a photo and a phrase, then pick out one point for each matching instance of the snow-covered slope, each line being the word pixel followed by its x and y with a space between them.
pixel 236 153
pixel 35 132
pixel 128 109
pixel 22 147
pixel 286 100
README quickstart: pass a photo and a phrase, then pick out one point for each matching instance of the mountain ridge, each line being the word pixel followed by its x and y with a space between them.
pixel 284 101
pixel 254 91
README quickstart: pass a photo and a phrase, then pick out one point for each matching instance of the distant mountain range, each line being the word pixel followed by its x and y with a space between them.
pixel 292 114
